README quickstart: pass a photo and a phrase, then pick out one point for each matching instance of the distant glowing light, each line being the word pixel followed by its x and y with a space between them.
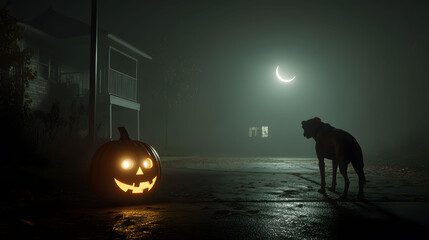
pixel 253 131
pixel 264 131
pixel 283 79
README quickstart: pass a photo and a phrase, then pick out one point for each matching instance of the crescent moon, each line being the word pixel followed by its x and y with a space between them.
pixel 282 79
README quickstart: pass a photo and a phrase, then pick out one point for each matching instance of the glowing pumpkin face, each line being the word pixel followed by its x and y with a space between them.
pixel 125 170
pixel 128 164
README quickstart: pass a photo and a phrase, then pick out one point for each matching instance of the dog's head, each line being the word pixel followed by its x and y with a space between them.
pixel 310 127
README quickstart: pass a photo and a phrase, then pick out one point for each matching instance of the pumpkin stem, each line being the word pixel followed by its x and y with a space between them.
pixel 124 134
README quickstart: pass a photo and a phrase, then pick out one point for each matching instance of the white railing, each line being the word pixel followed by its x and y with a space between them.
pixel 122 85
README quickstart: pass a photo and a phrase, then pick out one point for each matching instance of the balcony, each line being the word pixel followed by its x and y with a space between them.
pixel 122 85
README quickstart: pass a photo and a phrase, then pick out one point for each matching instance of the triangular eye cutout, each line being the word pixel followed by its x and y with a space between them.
pixel 139 172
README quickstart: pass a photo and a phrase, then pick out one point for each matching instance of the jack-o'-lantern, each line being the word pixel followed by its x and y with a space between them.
pixel 125 170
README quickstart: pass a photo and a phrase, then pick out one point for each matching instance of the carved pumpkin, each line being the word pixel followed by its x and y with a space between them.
pixel 125 170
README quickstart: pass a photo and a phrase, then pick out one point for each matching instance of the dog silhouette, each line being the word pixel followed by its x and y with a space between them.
pixel 339 146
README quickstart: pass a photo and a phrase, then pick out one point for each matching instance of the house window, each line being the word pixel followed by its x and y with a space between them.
pixel 253 131
pixel 53 71
pixel 264 131
pixel 43 65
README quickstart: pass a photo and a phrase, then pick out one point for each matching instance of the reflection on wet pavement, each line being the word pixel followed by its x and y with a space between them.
pixel 277 179
pixel 264 199
pixel 136 222
pixel 260 201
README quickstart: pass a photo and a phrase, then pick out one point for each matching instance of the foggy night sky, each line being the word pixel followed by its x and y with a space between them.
pixel 361 66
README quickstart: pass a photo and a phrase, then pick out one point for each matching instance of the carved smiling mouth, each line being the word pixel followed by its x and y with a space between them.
pixel 141 186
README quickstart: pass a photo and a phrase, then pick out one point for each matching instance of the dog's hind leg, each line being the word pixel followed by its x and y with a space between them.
pixel 334 175
pixel 361 184
pixel 358 166
pixel 343 171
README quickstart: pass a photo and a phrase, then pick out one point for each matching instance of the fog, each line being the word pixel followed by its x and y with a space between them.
pixel 359 66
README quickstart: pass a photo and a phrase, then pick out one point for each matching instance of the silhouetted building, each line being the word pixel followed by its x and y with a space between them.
pixel 61 50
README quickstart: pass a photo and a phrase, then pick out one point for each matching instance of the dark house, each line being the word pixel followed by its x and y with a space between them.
pixel 60 48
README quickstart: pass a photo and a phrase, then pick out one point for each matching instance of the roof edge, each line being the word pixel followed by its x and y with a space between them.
pixel 33 29
pixel 127 45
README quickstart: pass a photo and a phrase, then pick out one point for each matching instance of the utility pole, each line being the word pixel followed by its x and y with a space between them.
pixel 93 71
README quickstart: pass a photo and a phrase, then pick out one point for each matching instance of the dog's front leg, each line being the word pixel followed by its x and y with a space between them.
pixel 322 175
pixel 334 175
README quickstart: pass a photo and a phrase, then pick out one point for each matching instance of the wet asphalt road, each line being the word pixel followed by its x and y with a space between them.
pixel 241 198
